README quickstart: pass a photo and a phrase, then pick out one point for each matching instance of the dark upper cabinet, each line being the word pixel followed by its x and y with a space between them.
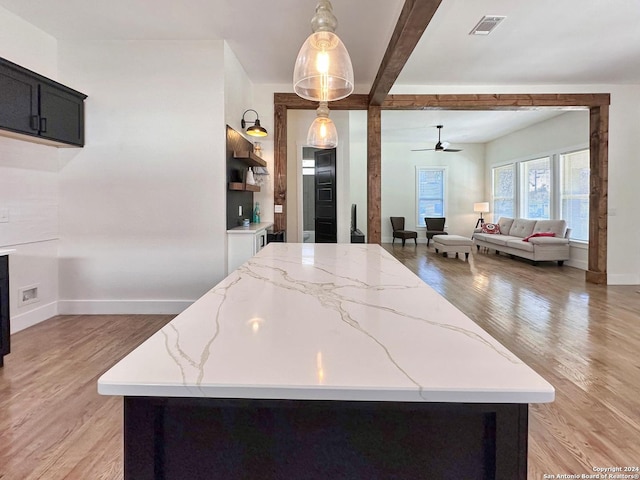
pixel 37 106
pixel 61 115
pixel 18 101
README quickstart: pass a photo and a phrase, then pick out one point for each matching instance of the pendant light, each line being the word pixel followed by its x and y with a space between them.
pixel 322 132
pixel 323 70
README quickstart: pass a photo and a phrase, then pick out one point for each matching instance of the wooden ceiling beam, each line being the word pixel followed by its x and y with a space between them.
pixel 496 101
pixel 413 21
pixel 294 102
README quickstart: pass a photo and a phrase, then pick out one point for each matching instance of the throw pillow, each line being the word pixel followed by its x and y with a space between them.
pixel 490 228
pixel 539 234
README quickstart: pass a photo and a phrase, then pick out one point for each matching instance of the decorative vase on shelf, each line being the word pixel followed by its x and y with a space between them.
pixel 250 178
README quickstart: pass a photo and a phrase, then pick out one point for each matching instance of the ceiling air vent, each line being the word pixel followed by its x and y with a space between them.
pixel 486 25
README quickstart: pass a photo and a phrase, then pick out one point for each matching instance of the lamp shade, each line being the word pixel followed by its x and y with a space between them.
pixel 323 69
pixel 322 132
pixel 481 207
pixel 257 130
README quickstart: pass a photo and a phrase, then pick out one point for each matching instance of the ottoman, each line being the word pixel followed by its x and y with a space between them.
pixel 451 244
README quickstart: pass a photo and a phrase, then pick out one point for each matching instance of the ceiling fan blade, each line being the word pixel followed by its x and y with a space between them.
pixel 422 149
pixel 451 150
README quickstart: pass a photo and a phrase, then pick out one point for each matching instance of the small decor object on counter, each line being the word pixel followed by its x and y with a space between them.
pixel 245 222
pixel 250 179
pixel 257 148
pixel 256 213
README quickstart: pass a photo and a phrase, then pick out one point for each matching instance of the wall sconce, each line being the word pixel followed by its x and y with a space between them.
pixel 322 132
pixel 480 207
pixel 255 130
pixel 323 70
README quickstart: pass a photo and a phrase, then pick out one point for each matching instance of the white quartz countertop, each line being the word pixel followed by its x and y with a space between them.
pixel 252 228
pixel 6 251
pixel 325 322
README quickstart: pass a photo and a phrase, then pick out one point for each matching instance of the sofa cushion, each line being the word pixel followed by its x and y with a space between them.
pixel 522 227
pixel 494 239
pixel 505 224
pixel 520 245
pixel 491 228
pixel 559 227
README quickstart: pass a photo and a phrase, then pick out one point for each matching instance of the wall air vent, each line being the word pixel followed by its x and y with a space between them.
pixel 486 25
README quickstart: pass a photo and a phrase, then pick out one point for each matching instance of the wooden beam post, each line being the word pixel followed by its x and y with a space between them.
pixel 280 167
pixel 598 197
pixel 374 177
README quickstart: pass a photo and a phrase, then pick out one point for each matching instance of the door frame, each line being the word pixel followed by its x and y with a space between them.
pixel 596 103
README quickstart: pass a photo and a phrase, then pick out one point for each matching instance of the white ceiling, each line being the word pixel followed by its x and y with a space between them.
pixel 418 127
pixel 540 42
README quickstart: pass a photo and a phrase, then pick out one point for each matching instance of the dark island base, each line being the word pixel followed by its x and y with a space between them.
pixel 185 438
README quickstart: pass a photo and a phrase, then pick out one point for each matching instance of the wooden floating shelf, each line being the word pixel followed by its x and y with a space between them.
pixel 250 159
pixel 242 187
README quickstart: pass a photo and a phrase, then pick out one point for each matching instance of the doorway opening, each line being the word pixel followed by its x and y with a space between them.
pixel 308 194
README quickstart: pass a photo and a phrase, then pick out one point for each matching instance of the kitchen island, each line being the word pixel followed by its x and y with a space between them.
pixel 319 361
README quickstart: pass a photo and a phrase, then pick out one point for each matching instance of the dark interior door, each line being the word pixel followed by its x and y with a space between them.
pixel 326 223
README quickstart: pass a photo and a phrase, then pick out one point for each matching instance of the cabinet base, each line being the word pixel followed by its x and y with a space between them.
pixel 177 438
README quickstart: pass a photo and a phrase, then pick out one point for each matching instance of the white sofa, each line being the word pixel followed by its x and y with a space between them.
pixel 513 231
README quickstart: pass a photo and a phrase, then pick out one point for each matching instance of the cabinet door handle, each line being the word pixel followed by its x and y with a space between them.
pixel 35 122
pixel 43 124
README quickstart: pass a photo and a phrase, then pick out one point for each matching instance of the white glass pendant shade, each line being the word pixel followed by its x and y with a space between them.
pixel 323 70
pixel 322 132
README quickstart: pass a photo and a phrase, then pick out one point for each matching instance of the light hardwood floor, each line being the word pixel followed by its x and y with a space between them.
pixel 584 339
pixel 53 423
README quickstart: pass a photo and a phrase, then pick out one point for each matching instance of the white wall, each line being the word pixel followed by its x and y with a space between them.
pixel 27 45
pixel 142 211
pixel 623 255
pixel 358 166
pixel 263 104
pixel 562 133
pixel 238 93
pixel 29 187
pixel 571 129
pixel 464 185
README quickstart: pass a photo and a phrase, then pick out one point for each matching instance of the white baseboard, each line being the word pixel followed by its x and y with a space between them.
pixel 582 265
pixel 120 307
pixel 623 279
pixel 32 317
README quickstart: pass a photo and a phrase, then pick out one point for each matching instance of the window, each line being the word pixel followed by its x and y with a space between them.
pixel 574 193
pixel 430 185
pixel 556 186
pixel 504 191
pixel 308 160
pixel 536 198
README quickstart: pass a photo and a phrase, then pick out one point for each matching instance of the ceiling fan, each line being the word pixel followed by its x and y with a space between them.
pixel 440 146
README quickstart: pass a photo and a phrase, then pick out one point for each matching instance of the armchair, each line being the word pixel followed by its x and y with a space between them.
pixel 435 226
pixel 397 223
